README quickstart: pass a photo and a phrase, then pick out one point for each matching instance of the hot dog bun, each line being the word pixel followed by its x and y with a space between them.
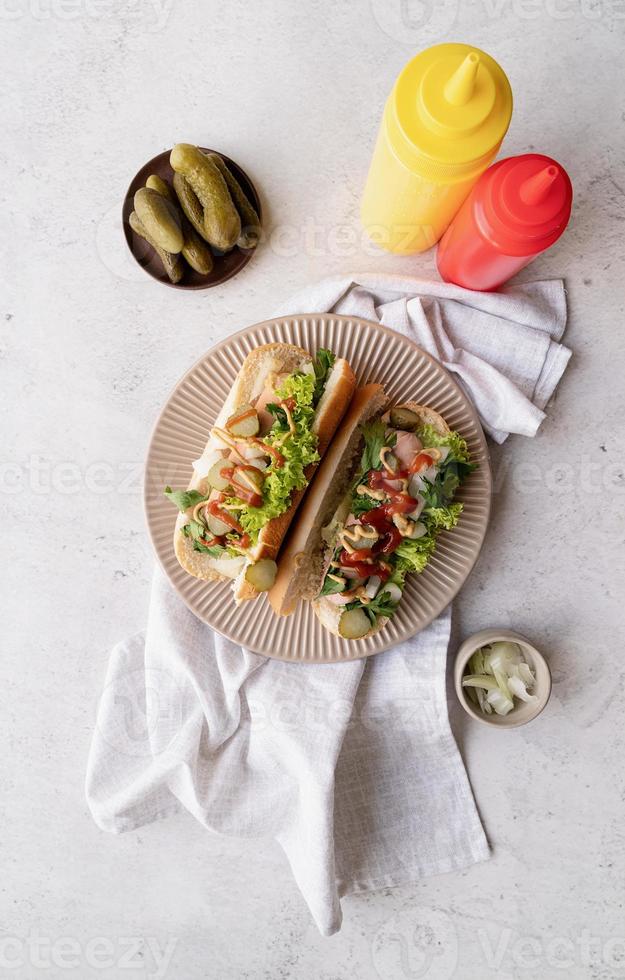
pixel 327 613
pixel 246 388
pixel 301 567
pixel 303 562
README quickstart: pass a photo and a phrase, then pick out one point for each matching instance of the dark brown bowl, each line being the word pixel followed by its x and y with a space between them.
pixel 226 265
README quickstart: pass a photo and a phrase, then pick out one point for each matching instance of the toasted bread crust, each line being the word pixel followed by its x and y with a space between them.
pixel 428 416
pixel 247 386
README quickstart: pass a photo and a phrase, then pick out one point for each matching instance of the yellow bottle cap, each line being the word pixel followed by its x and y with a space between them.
pixel 448 111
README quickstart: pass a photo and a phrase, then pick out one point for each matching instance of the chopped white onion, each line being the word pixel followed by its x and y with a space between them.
pixel 483 703
pixel 503 655
pixel 393 590
pixel 518 689
pixel 526 675
pixel 498 674
pixel 420 504
pixel 250 452
pixel 484 681
pixel 500 702
pixel 372 586
pixel 417 481
pixel 393 484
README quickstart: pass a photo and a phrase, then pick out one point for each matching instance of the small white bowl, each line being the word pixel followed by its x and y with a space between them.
pixel 522 711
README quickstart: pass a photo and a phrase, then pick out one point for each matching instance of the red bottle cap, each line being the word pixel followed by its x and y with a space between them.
pixel 526 205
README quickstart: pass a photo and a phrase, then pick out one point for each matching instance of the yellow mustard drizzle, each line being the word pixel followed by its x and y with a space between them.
pixel 195 513
pixel 367 491
pixel 245 477
pixel 383 451
pixel 226 437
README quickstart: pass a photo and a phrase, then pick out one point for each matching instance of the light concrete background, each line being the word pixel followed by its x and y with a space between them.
pixel 90 347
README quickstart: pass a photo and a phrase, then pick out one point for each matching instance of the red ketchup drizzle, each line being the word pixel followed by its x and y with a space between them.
pixel 242 490
pixel 381 518
pixel 224 516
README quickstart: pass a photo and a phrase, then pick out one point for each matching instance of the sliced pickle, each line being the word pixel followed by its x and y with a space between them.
pixel 262 574
pixel 353 624
pixel 244 422
pixel 217 526
pixel 407 528
pixel 390 462
pixel 404 418
pixel 214 477
pixel 360 535
pixel 252 479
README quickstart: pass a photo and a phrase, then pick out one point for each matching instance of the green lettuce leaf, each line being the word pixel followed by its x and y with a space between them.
pixel 380 606
pixel 323 365
pixel 301 387
pixel 374 434
pixel 214 550
pixel 398 576
pixel 441 518
pixel 279 415
pixel 413 556
pixel 361 503
pixel 183 499
pixel 195 530
pixel 453 471
pixel 457 445
pixel 330 587
pixel 299 451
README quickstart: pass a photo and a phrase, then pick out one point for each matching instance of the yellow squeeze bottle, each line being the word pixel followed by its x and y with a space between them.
pixel 442 126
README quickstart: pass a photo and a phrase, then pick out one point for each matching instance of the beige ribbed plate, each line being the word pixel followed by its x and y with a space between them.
pixel 375 354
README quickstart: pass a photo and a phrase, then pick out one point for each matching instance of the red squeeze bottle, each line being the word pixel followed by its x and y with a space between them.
pixel 518 208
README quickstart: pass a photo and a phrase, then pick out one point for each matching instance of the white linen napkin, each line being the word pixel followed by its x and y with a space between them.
pixel 351 767
pixel 501 346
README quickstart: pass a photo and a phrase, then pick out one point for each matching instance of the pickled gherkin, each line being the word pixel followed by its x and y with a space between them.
pixel 160 218
pixel 250 222
pixel 189 203
pixel 172 263
pixel 156 183
pixel 222 224
pixel 194 249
